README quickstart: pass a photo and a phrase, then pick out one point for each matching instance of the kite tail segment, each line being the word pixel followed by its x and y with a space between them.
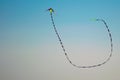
pixel 62 46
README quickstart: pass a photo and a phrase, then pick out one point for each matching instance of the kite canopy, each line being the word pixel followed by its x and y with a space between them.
pixel 51 10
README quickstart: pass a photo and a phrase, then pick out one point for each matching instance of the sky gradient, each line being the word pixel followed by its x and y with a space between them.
pixel 30 50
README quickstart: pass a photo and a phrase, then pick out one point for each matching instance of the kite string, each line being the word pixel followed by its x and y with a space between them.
pixel 61 43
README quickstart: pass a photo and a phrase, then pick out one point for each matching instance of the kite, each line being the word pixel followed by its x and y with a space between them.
pixel 64 50
pixel 51 10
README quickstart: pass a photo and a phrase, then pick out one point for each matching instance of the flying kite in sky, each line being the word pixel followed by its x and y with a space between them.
pixel 59 38
pixel 51 10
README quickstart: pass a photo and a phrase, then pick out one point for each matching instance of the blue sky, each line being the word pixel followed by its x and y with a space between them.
pixel 27 38
pixel 31 16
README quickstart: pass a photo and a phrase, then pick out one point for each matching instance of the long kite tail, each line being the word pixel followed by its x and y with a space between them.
pixel 61 43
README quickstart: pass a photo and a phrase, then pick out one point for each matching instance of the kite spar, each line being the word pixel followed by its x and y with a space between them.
pixel 61 43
